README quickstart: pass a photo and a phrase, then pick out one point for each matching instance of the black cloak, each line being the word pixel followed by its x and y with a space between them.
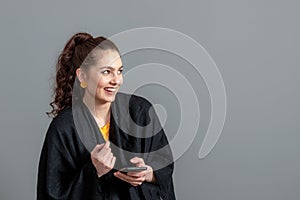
pixel 65 168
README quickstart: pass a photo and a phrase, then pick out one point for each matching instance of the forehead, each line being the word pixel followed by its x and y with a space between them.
pixel 108 58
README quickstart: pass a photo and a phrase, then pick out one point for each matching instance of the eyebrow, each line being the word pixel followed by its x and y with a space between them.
pixel 109 67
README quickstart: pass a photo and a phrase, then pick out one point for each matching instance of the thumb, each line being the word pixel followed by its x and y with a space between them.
pixel 96 149
pixel 137 161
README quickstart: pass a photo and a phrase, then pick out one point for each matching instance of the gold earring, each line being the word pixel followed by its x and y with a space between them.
pixel 83 85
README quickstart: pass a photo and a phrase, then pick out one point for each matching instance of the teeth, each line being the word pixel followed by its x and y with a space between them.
pixel 111 89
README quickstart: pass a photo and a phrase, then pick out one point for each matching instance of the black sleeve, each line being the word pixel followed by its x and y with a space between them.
pixel 163 168
pixel 160 158
pixel 65 169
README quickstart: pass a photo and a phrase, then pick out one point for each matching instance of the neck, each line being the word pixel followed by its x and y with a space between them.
pixel 100 110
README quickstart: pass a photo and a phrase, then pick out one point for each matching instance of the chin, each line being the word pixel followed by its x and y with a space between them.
pixel 107 99
pixel 110 99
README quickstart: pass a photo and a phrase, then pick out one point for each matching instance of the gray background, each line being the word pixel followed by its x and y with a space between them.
pixel 255 44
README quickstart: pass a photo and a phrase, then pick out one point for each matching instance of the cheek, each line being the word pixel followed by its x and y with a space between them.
pixel 102 82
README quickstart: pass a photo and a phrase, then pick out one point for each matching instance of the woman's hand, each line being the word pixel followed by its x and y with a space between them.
pixel 137 178
pixel 102 158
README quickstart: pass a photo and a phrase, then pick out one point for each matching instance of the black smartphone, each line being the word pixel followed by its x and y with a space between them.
pixel 133 169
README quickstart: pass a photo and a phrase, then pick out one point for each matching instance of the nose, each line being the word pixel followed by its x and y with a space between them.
pixel 116 79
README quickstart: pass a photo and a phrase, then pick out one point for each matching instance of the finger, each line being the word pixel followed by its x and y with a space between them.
pixel 128 178
pixel 119 175
pixel 107 158
pixel 137 174
pixel 140 179
pixel 136 183
pixel 106 147
pixel 105 151
pixel 137 161
pixel 107 144
pixel 113 161
pixel 110 164
pixel 106 154
pixel 97 148
pixel 124 177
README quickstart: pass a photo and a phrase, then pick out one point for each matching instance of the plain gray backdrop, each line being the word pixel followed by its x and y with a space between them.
pixel 255 44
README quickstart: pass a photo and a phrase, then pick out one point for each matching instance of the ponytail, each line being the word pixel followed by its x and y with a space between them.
pixel 75 54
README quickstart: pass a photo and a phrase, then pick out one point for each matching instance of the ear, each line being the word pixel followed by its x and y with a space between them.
pixel 81 75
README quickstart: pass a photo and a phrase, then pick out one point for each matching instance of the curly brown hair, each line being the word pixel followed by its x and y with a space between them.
pixel 78 52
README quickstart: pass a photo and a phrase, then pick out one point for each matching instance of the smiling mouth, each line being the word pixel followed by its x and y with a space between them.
pixel 110 89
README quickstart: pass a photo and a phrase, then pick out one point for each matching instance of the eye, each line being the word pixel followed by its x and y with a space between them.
pixel 105 71
pixel 120 71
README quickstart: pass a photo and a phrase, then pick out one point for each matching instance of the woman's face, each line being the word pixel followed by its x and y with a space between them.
pixel 105 78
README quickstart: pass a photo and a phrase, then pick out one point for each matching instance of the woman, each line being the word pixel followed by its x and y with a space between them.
pixel 97 131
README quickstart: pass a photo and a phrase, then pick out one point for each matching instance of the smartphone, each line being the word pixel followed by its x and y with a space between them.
pixel 133 169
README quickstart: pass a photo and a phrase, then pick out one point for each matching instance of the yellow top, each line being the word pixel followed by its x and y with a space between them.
pixel 105 131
